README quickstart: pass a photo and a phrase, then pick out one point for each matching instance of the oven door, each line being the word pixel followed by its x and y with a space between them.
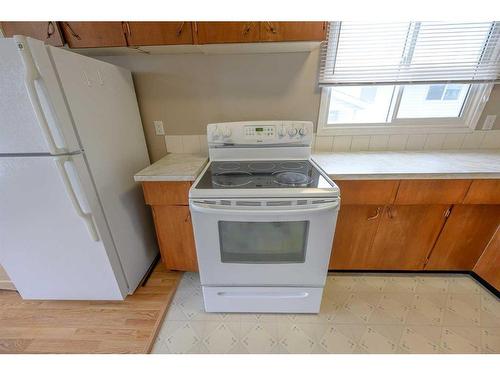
pixel 256 243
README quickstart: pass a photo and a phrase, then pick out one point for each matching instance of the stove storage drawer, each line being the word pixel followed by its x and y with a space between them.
pixel 262 299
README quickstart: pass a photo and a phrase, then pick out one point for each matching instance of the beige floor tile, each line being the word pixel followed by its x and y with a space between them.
pixel 220 338
pixel 401 284
pixel 381 339
pixel 490 340
pixel 370 283
pixel 432 284
pixel 259 338
pixel 427 309
pixel 490 310
pixel 462 310
pixel 341 338
pixel 463 284
pixel 461 340
pixel 340 283
pixel 181 336
pixel 392 309
pixel 356 309
pixel 421 339
pixel 301 338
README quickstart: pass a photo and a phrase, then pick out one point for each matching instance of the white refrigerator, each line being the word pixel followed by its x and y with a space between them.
pixel 73 223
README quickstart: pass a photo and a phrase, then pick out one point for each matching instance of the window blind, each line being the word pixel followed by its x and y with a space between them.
pixel 410 53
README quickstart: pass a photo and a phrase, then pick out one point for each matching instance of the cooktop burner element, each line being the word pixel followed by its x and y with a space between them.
pixel 292 179
pixel 232 179
pixel 261 175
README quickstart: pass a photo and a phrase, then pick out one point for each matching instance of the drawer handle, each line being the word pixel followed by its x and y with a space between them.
pixel 263 295
pixel 376 215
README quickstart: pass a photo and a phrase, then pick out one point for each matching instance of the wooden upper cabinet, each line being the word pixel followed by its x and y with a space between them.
pixel 354 234
pixel 367 191
pixel 166 192
pixel 226 32
pixel 483 192
pixel 158 33
pixel 432 191
pixel 464 237
pixel 488 265
pixel 94 34
pixel 47 32
pixel 405 237
pixel 292 31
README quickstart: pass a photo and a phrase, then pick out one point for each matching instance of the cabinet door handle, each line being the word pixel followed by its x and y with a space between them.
pixel 376 215
pixel 50 29
pixel 128 28
pixel 389 213
pixel 72 32
pixel 179 30
pixel 247 29
pixel 188 217
pixel 271 28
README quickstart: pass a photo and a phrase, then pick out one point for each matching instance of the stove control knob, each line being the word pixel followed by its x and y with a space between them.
pixel 281 131
pixel 216 133
pixel 303 131
pixel 292 132
pixel 226 132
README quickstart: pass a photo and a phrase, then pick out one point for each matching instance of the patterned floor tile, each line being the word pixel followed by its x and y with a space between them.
pixel 421 339
pixel 490 340
pixel 462 310
pixel 392 309
pixel 259 338
pixel 432 284
pixel 427 309
pixel 381 339
pixel 337 339
pixel 461 340
pixel 361 313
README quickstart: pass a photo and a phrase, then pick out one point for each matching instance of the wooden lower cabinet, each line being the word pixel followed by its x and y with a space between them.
pixel 488 265
pixel 386 237
pixel 464 237
pixel 175 237
pixel 354 234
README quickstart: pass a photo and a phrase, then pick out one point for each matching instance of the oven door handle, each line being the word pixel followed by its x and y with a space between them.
pixel 264 210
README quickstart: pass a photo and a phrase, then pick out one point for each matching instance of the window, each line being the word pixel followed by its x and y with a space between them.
pixel 406 75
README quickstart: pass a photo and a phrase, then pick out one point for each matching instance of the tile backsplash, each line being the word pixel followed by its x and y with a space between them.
pixel 196 144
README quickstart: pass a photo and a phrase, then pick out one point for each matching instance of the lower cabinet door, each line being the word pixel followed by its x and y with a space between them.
pixel 464 237
pixel 405 236
pixel 175 237
pixel 355 230
pixel 488 265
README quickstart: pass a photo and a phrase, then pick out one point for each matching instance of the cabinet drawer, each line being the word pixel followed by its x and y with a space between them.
pixel 166 192
pixel 367 192
pixel 432 191
pixel 483 192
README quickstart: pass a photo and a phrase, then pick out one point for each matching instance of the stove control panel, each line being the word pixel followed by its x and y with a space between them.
pixel 270 133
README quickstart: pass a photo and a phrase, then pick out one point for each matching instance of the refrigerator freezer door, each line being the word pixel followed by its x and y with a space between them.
pixel 22 132
pixel 107 120
pixel 54 241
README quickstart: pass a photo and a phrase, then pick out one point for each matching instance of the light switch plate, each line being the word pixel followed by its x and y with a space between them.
pixel 159 130
pixel 489 121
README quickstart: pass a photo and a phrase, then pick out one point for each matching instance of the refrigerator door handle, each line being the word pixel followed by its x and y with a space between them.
pixel 87 218
pixel 31 76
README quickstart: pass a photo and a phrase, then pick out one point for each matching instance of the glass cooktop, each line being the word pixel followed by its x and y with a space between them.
pixel 262 175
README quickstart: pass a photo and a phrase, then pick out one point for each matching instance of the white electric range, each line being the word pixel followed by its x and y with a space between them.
pixel 264 216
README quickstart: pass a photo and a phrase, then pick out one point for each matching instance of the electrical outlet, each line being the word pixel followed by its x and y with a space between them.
pixel 489 121
pixel 159 130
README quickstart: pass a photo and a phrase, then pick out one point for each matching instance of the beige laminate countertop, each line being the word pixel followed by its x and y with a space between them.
pixel 409 164
pixel 173 167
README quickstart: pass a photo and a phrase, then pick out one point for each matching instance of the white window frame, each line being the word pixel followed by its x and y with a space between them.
pixel 466 123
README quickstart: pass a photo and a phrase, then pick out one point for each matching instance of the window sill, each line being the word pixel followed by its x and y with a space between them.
pixel 375 130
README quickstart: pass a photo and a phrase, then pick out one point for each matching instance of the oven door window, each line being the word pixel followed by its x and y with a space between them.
pixel 263 242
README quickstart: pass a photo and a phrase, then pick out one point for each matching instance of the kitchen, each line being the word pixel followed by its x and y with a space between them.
pixel 290 207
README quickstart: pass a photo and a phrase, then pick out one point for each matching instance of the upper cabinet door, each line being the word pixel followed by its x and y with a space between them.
pixel 47 32
pixel 158 33
pixel 227 32
pixel 94 34
pixel 292 31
